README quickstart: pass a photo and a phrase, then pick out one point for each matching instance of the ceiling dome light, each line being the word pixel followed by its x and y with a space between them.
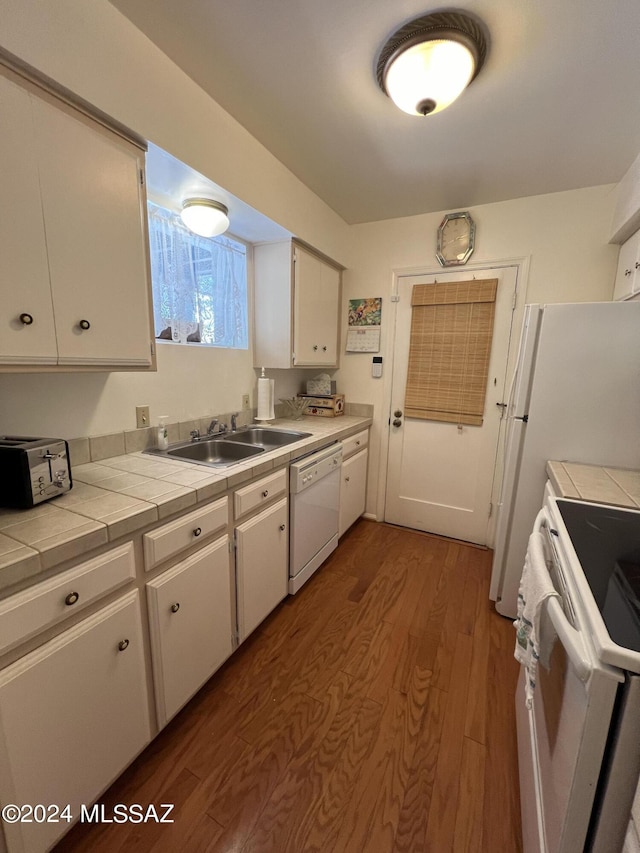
pixel 427 63
pixel 205 217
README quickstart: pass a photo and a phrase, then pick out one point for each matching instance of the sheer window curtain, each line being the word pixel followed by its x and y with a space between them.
pixel 199 284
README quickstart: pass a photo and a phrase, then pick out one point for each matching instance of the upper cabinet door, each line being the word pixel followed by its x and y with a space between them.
pixel 24 274
pixel 627 281
pixel 316 311
pixel 94 216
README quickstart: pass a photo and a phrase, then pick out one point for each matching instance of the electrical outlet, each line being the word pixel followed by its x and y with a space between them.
pixel 246 402
pixel 142 417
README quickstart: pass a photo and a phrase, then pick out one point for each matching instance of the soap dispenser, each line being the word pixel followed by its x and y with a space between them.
pixel 163 433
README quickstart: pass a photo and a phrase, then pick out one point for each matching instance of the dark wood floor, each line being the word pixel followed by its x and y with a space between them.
pixel 371 712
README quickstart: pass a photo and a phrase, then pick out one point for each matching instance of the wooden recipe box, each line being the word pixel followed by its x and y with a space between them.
pixel 331 406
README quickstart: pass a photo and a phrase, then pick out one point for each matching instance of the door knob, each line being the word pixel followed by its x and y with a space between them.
pixel 397 422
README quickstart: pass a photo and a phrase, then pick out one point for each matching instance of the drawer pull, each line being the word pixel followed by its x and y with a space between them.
pixel 175 607
pixel 283 527
pixel 72 598
pixel 122 645
pixel 197 531
pixel 265 493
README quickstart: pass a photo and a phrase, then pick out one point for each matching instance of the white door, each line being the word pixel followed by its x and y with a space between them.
pixel 440 475
pixel 92 201
pixel 190 620
pixel 261 565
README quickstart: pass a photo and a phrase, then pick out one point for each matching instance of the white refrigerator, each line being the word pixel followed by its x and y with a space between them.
pixel 575 396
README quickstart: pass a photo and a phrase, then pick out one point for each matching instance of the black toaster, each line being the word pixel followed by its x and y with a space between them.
pixel 32 470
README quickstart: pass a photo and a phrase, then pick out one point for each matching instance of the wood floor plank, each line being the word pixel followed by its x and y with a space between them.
pixel 387 810
pixel 372 712
pixel 468 837
pixel 444 802
pixel 413 821
pixel 444 658
pixel 354 830
pixel 319 832
pixel 302 782
pixel 501 813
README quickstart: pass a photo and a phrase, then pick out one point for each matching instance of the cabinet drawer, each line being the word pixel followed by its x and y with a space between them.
pixel 354 443
pixel 26 613
pixel 172 538
pixel 262 492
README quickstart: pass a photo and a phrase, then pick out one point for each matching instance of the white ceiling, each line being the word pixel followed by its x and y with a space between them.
pixel 555 107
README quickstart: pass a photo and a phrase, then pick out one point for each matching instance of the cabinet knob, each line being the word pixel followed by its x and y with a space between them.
pixel 72 598
pixel 175 607
pixel 357 443
pixel 283 527
pixel 324 349
pixel 122 645
pixel 397 413
pixel 638 265
pixel 627 272
pixel 397 422
pixel 26 319
pixel 315 347
pixel 265 494
pixel 346 479
pixel 197 531
pixel 84 324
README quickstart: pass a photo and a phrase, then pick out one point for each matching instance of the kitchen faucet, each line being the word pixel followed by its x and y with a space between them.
pixel 211 429
pixel 234 421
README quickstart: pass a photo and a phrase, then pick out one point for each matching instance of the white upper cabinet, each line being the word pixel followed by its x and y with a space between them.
pixel 297 307
pixel 75 286
pixel 27 332
pixel 627 282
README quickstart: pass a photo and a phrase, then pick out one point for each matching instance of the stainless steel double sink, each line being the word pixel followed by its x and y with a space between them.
pixel 220 451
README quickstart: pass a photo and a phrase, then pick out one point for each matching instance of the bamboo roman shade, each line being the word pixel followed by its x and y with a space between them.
pixel 449 349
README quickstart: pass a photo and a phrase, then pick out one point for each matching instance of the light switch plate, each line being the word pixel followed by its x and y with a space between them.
pixel 142 417
pixel 246 403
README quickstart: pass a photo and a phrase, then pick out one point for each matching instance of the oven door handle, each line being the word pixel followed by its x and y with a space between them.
pixel 570 640
pixel 567 634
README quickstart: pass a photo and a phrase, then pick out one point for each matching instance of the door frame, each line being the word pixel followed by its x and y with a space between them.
pixel 522 264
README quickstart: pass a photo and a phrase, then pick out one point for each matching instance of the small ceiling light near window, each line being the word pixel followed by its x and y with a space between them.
pixel 205 217
pixel 429 62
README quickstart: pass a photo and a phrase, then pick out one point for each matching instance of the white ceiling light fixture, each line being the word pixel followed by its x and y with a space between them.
pixel 430 61
pixel 205 217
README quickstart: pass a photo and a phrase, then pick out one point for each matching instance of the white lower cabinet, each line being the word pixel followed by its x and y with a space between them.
pixel 73 714
pixel 190 625
pixel 262 565
pixel 353 489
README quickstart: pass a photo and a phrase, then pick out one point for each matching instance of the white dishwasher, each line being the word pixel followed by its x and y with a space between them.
pixel 314 509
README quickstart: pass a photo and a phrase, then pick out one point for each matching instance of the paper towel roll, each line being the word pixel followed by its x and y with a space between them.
pixel 265 399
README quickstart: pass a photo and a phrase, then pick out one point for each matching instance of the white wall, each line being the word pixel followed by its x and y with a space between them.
pixel 93 50
pixel 564 235
pixel 97 53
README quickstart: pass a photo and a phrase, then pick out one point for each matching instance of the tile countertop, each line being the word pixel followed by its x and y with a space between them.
pixel 618 486
pixel 122 494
